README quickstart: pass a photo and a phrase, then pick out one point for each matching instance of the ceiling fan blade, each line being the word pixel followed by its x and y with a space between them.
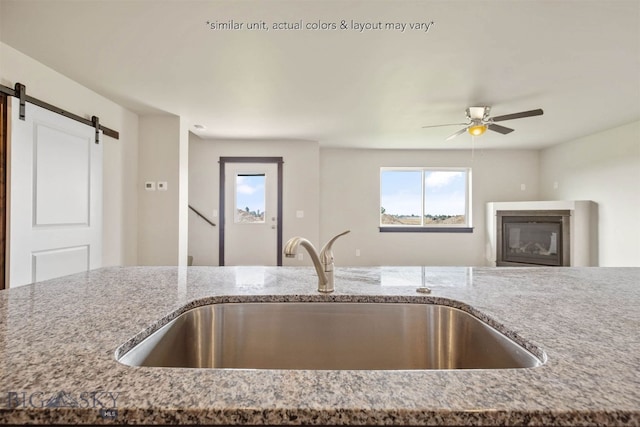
pixel 500 129
pixel 450 124
pixel 460 132
pixel 521 115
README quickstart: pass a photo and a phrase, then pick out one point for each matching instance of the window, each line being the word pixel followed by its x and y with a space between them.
pixel 425 199
pixel 250 198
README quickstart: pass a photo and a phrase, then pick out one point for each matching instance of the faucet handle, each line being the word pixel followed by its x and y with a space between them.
pixel 326 254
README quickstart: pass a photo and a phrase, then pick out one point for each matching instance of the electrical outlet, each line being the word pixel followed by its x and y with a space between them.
pixel 150 186
pixel 162 185
pixel 357 252
pixel 523 187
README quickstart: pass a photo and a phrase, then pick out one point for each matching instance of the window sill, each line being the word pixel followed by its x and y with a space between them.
pixel 426 229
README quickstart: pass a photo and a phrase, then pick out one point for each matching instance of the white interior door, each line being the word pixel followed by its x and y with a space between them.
pixel 54 196
pixel 251 209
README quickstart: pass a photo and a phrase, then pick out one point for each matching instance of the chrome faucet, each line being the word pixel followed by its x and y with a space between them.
pixel 323 262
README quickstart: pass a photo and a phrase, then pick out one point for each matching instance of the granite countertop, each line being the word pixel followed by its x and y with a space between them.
pixel 58 339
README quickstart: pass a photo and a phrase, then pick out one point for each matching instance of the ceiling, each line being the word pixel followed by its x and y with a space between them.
pixel 578 60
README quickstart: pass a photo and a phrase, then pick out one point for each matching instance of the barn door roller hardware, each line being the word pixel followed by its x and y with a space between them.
pixel 96 124
pixel 20 92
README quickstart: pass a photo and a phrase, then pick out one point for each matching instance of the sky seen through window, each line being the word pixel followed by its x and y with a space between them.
pixel 401 192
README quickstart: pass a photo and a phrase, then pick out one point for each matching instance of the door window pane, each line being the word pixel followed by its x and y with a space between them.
pixel 250 198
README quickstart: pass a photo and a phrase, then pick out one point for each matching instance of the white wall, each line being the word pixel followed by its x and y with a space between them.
pixel 300 187
pixel 120 156
pixel 350 188
pixel 605 168
pixel 163 153
pixel 183 195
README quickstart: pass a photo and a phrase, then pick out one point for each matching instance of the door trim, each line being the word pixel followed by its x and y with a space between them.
pixel 223 161
pixel 4 130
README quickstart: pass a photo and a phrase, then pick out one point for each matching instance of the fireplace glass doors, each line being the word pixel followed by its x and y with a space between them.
pixel 533 238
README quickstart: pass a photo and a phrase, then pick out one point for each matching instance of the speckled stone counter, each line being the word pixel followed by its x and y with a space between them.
pixel 58 341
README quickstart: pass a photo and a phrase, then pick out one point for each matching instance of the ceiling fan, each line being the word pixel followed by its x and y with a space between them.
pixel 479 121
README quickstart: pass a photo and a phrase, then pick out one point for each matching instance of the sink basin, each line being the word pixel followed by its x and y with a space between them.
pixel 305 335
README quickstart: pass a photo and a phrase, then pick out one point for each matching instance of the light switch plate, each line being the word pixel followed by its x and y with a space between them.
pixel 162 185
pixel 299 214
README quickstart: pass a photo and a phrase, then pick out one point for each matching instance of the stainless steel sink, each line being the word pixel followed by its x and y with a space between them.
pixel 329 336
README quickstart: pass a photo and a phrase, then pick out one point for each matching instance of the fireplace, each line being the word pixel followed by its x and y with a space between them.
pixel 574 222
pixel 537 237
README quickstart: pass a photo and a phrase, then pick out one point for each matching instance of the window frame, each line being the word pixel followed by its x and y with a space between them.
pixel 467 227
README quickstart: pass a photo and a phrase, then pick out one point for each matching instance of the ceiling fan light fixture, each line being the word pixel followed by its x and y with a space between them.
pixel 477 130
pixel 479 121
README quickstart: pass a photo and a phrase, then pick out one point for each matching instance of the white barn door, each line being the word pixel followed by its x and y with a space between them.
pixel 54 196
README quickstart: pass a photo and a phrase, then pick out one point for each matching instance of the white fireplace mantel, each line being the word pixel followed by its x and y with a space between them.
pixel 583 228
